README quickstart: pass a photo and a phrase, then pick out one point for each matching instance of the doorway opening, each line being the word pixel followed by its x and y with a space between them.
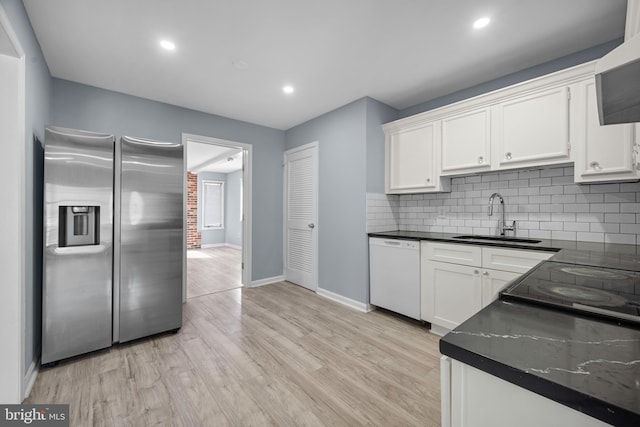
pixel 217 220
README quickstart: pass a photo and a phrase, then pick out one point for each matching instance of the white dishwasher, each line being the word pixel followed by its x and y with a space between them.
pixel 394 275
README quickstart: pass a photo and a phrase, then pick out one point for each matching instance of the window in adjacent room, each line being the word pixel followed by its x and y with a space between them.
pixel 212 204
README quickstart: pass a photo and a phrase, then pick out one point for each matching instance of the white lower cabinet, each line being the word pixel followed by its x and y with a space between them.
pixel 473 398
pixel 493 281
pixel 455 293
pixel 458 280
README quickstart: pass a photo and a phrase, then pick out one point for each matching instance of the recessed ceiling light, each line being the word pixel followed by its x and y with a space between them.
pixel 481 23
pixel 166 44
pixel 288 89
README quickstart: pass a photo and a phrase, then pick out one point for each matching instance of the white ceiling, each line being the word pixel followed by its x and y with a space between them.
pixel 212 158
pixel 400 52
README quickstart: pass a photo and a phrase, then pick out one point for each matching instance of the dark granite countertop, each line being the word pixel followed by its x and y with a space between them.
pixel 587 364
pixel 611 255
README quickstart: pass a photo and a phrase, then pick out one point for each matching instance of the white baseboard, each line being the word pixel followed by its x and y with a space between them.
pixel 30 377
pixel 212 245
pixel 356 305
pixel 220 245
pixel 267 281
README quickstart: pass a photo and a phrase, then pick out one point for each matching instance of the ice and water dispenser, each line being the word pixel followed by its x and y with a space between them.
pixel 79 226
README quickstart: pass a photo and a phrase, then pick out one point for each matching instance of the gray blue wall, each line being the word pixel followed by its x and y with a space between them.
pixel 377 113
pixel 349 138
pixel 90 108
pixel 577 58
pixel 233 223
pixel 38 114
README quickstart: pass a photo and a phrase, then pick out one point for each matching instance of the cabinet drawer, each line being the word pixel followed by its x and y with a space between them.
pixel 454 254
pixel 515 260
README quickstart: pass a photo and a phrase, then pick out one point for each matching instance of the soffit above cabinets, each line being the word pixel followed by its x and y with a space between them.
pixel 232 58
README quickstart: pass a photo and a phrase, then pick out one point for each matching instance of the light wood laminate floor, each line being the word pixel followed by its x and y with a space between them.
pixel 274 355
pixel 212 270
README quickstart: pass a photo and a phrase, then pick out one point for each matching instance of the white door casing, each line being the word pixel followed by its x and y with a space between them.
pixel 13 386
pixel 301 215
pixel 247 173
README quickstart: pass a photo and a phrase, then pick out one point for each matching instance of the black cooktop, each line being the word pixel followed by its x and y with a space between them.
pixel 607 292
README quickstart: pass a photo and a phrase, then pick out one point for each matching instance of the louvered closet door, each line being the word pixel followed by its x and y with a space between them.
pixel 301 215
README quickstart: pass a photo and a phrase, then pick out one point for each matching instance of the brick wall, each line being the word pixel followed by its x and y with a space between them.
pixel 193 236
pixel 545 203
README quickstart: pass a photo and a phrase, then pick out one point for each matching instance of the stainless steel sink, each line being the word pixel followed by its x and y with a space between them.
pixel 497 239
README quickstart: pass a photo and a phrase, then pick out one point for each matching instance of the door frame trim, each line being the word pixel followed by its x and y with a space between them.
pixel 316 145
pixel 25 377
pixel 247 190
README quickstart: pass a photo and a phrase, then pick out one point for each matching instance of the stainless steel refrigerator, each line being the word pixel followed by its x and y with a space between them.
pixel 113 240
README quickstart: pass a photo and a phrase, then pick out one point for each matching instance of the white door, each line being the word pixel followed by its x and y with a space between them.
pixel 301 216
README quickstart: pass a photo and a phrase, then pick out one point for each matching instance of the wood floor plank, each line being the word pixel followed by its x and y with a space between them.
pixel 277 355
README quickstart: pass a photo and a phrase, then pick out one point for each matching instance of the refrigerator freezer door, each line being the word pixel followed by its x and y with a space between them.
pixel 78 228
pixel 151 238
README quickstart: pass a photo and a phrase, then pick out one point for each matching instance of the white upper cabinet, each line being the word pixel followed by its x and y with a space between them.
pixel 533 130
pixel 466 142
pixel 545 121
pixel 411 156
pixel 604 153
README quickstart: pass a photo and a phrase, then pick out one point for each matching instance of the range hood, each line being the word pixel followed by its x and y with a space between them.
pixel 618 84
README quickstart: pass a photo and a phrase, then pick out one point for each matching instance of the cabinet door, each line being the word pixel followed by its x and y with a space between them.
pixel 479 399
pixel 533 129
pixel 604 153
pixel 493 281
pixel 411 159
pixel 466 141
pixel 450 294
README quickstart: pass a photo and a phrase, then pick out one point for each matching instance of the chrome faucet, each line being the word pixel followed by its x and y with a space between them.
pixel 502 225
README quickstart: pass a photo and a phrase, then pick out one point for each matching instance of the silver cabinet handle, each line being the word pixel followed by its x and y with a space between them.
pixel 476 272
pixel 480 160
pixel 595 166
pixel 428 180
pixel 312 225
pixel 507 155
pixel 485 274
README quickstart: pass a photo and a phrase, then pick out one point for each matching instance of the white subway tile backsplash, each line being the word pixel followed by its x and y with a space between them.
pixel 564 198
pixel 557 226
pixel 555 189
pixel 605 228
pixel 630 228
pixel 552 172
pixel 630 207
pixel 620 197
pixel 605 207
pixel 563 235
pixel 620 218
pixel 557 180
pixel 590 237
pixel 629 239
pixel 576 207
pixel 577 226
pixel 545 203
pixel 605 188
pixel 551 208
